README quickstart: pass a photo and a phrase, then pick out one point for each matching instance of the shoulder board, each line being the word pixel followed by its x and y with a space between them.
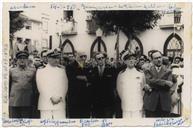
pixel 41 67
pixel 12 69
pixel 122 71
pixel 60 66
pixel 32 68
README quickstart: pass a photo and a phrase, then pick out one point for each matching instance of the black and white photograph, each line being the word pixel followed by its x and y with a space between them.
pixel 122 64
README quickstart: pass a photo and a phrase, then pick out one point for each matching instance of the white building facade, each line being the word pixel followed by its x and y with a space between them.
pixel 34 35
pixel 77 33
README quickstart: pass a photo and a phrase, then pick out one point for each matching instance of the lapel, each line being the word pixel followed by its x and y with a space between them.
pixel 99 70
pixel 104 70
pixel 96 71
pixel 154 71
pixel 162 71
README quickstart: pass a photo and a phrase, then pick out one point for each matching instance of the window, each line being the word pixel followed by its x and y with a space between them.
pixel 91 24
pixel 44 43
pixel 36 43
pixel 68 15
pixel 40 26
pixel 98 46
pixel 67 47
pixel 27 41
pixel 19 39
pixel 134 46
pixel 28 25
pixel 173 46
pixel 45 25
pixel 68 25
pixel 177 17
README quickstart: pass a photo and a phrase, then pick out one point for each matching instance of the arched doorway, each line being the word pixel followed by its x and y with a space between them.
pixel 173 46
pixel 98 46
pixel 134 46
pixel 67 47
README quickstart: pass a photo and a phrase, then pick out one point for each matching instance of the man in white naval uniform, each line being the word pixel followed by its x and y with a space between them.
pixel 52 85
pixel 130 83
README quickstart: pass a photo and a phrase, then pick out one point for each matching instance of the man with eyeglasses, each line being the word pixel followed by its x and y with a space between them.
pixel 78 98
pixel 157 102
pixel 103 82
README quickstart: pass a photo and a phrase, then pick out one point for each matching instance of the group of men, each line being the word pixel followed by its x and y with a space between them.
pixel 82 90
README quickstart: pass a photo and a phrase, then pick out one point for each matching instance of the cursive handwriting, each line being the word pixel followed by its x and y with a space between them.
pixel 63 6
pixel 106 123
pixel 169 122
pixel 47 122
pixel 23 6
pixel 119 6
pixel 17 122
pixel 88 122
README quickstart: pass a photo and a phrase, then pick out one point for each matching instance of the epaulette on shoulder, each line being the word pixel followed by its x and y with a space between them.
pixel 122 71
pixel 61 66
pixel 41 67
pixel 12 68
pixel 32 68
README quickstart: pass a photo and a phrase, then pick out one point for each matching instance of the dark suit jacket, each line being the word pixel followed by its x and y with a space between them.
pixel 160 90
pixel 103 87
pixel 77 89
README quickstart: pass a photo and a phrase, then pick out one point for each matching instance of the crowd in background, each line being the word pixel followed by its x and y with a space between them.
pixel 94 88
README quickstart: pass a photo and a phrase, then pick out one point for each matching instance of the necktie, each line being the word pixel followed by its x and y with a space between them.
pixel 158 69
pixel 100 70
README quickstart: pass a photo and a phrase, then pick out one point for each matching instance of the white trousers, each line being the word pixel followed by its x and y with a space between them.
pixel 52 114
pixel 132 114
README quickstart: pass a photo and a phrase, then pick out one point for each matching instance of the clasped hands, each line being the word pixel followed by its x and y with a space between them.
pixel 147 88
pixel 55 100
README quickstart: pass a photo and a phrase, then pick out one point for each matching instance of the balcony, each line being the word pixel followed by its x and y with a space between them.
pixel 68 28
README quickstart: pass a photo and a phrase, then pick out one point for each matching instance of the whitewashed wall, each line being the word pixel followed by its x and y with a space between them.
pixel 151 39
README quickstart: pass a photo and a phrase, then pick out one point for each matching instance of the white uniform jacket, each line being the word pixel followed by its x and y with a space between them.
pixel 51 82
pixel 129 86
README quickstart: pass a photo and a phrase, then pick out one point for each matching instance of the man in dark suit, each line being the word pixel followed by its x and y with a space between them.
pixel 157 98
pixel 77 96
pixel 103 82
pixel 21 88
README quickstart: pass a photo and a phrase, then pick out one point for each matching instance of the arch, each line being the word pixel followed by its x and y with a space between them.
pixel 173 51
pixel 137 41
pixel 65 43
pixel 99 42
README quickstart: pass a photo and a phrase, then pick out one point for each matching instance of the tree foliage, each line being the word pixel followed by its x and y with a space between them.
pixel 131 22
pixel 16 22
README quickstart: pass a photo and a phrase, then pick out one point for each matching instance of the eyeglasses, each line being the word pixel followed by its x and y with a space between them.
pixel 83 56
pixel 100 58
pixel 159 57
